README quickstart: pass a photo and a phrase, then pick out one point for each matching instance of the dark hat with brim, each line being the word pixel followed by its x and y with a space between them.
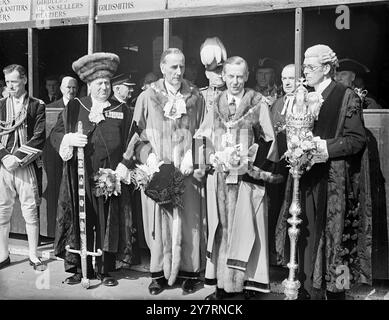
pixel 268 63
pixel 96 65
pixel 122 79
pixel 353 66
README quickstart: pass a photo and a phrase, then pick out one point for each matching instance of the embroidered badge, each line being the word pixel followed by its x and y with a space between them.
pixel 114 115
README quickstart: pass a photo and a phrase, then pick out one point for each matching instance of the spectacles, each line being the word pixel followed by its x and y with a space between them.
pixel 310 68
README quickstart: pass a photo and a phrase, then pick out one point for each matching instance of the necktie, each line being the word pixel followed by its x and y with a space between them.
pixel 231 109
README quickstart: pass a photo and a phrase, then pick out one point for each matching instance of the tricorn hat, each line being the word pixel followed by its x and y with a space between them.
pixel 122 79
pixel 212 53
pixel 352 65
pixel 96 65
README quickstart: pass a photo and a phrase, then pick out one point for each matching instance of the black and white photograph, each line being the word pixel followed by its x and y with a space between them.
pixel 194 157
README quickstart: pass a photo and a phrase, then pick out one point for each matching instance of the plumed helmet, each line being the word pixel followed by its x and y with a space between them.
pixel 212 53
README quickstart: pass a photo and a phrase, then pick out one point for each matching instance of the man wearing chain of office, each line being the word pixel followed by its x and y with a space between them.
pixel 106 125
pixel 240 147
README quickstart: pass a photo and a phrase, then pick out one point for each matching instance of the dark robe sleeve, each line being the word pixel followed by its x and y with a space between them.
pixel 58 132
pixel 138 146
pixel 353 138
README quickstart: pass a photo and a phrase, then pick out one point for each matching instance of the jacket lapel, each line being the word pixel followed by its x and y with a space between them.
pixel 327 91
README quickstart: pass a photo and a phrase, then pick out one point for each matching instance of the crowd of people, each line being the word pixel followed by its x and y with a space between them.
pixel 202 209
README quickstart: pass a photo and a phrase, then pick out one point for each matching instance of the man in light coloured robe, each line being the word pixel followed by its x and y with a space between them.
pixel 237 249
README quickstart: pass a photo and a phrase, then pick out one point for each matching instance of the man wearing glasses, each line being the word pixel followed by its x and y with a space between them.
pixel 329 238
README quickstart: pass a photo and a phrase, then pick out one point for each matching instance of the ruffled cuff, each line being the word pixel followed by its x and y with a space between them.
pixel 124 173
pixel 65 150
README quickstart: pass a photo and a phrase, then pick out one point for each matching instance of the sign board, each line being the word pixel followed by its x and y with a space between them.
pixel 59 9
pixel 14 10
pixel 108 7
pixel 206 3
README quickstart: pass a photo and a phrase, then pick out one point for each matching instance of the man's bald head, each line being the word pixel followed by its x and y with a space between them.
pixel 69 87
pixel 288 78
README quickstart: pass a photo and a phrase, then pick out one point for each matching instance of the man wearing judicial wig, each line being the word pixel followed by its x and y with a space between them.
pixel 106 124
pixel 332 232
pixel 165 118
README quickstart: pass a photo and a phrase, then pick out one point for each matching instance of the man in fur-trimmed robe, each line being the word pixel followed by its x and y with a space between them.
pixel 335 234
pixel 166 116
pixel 237 248
pixel 106 125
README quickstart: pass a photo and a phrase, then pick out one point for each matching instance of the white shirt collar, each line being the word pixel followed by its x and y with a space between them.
pixel 99 105
pixel 20 99
pixel 323 85
pixel 170 89
pixel 65 101
pixel 238 98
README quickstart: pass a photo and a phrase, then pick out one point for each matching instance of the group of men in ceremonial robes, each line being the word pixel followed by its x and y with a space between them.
pixel 209 155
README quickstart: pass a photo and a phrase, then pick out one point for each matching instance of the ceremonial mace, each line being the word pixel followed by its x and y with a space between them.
pixel 299 124
pixel 82 216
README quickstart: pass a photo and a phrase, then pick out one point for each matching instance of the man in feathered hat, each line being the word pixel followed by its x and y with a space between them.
pixel 330 236
pixel 265 77
pixel 165 118
pixel 213 54
pixel 106 125
pixel 350 73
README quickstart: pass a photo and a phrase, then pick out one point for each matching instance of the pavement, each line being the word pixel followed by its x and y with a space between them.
pixel 20 281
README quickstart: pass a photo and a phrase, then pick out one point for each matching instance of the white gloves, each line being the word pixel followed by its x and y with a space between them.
pixel 10 162
pixel 123 173
pixel 76 139
pixel 187 163
pixel 69 141
pixel 153 163
pixel 199 174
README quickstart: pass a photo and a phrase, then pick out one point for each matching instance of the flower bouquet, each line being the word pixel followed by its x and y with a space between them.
pixel 107 183
pixel 301 150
